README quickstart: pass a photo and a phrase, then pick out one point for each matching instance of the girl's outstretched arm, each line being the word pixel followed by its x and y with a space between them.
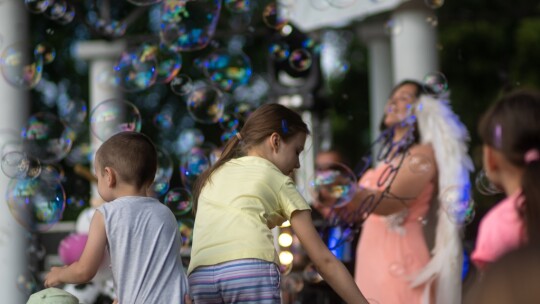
pixel 330 268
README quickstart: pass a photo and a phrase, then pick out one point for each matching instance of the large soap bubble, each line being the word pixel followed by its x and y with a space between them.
pixel 334 185
pixel 114 116
pixel 20 67
pixel 37 204
pixel 46 137
pixel 188 25
pixel 205 104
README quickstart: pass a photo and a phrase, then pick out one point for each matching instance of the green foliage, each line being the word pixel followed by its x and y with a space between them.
pixel 526 61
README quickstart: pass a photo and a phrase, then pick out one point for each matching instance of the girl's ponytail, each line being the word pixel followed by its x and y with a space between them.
pixel 531 192
pixel 229 151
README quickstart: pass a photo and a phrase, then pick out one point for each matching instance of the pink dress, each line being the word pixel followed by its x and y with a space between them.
pixel 392 249
pixel 501 230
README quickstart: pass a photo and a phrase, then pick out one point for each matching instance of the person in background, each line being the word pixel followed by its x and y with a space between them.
pixel 422 164
pixel 510 131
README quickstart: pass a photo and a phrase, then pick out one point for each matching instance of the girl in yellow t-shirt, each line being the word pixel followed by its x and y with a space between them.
pixel 237 202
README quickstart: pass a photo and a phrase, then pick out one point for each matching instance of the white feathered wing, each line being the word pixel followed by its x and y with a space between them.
pixel 439 126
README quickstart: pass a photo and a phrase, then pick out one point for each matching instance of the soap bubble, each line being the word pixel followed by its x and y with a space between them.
pixel 334 185
pixel 20 67
pixel 188 25
pixel 113 116
pixel 46 137
pixel 37 204
pixel 179 200
pixel 205 104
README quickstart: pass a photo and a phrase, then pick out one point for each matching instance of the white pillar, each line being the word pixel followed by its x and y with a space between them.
pixel 13 237
pixel 414 51
pixel 380 71
pixel 102 56
pixel 307 158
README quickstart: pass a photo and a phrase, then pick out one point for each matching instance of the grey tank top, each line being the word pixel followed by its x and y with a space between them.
pixel 144 246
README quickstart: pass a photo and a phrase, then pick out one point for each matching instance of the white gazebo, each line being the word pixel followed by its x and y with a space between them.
pixel 405 50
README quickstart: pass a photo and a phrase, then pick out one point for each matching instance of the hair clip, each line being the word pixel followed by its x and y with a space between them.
pixel 497 140
pixel 284 126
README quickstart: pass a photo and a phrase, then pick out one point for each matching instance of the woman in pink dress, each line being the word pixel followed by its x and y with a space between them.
pixel 424 158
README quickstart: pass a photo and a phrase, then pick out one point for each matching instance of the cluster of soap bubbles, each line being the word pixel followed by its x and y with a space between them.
pixel 35 195
pixel 62 12
pixel 299 59
pixel 139 69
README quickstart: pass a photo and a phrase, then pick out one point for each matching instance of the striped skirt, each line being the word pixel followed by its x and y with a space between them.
pixel 238 281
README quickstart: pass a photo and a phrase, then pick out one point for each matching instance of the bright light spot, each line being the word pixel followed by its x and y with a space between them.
pixel 285 240
pixel 285 257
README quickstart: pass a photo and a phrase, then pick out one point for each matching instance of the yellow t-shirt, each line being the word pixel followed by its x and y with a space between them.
pixel 243 200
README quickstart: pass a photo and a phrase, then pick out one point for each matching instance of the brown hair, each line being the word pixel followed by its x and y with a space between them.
pixel 512 126
pixel 132 155
pixel 264 121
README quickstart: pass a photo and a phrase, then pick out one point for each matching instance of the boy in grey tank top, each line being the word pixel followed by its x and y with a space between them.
pixel 140 233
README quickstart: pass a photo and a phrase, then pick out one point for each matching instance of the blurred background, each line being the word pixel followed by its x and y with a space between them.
pixel 189 72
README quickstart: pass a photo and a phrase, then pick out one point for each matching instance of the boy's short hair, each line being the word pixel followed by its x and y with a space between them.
pixel 132 155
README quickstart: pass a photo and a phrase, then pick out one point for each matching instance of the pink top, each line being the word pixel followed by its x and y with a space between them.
pixel 501 230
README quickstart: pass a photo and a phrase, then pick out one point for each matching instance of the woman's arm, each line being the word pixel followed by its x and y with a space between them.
pixel 330 268
pixel 417 170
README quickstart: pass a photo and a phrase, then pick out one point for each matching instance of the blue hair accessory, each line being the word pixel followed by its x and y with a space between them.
pixel 284 126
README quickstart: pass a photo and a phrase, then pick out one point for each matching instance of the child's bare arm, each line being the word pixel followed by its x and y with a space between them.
pixel 86 268
pixel 330 268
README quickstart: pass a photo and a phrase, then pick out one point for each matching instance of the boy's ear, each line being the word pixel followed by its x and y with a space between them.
pixel 110 177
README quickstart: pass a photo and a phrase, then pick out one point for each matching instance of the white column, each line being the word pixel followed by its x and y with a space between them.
pixel 14 105
pixel 102 56
pixel 414 51
pixel 380 71
pixel 307 158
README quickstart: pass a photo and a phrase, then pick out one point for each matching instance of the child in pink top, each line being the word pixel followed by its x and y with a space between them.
pixel 501 230
pixel 510 130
